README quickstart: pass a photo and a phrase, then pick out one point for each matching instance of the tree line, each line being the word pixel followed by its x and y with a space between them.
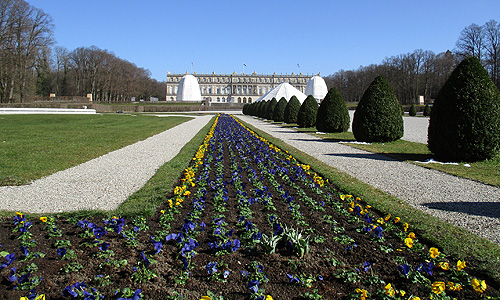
pixel 422 72
pixel 30 66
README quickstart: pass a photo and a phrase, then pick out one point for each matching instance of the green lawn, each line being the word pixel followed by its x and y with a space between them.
pixel 33 146
pixel 484 171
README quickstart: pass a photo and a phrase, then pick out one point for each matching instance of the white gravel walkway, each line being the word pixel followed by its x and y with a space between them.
pixel 105 182
pixel 466 203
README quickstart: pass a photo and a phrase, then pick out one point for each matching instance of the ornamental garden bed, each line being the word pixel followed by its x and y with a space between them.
pixel 246 221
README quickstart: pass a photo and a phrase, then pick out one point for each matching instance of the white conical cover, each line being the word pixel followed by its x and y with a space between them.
pixel 189 89
pixel 285 90
pixel 316 87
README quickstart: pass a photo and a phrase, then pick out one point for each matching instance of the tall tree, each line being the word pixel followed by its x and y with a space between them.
pixel 471 42
pixel 492 55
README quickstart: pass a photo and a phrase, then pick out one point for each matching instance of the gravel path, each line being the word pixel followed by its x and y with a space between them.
pixel 469 204
pixel 105 182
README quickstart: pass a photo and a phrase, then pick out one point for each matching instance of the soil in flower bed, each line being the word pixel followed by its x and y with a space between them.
pixel 218 239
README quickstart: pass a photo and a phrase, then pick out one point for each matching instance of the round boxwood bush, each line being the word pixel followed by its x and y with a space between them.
pixel 412 111
pixel 427 110
pixel 292 110
pixel 270 109
pixel 378 115
pixel 465 119
pixel 308 112
pixel 333 115
pixel 279 110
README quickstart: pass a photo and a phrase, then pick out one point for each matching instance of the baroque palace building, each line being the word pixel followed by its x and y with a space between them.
pixel 235 88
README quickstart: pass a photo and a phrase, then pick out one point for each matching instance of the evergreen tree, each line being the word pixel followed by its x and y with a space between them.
pixel 270 109
pixel 333 115
pixel 279 111
pixel 308 112
pixel 261 110
pixel 465 119
pixel 378 115
pixel 412 111
pixel 427 110
pixel 292 110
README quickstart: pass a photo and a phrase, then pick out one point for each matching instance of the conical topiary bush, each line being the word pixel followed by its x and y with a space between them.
pixel 465 119
pixel 279 110
pixel 308 112
pixel 333 115
pixel 412 111
pixel 378 115
pixel 270 109
pixel 292 110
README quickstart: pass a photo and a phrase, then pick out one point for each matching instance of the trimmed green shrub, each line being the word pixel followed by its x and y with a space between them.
pixel 262 109
pixel 333 115
pixel 308 112
pixel 292 110
pixel 412 111
pixel 279 110
pixel 378 115
pixel 270 109
pixel 465 118
pixel 427 110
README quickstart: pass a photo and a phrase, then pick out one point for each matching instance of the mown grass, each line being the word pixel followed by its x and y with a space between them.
pixel 482 255
pixel 487 171
pixel 34 146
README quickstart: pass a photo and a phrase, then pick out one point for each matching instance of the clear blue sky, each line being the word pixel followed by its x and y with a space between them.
pixel 268 36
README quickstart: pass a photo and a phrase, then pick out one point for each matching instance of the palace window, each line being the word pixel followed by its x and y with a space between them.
pixel 249 90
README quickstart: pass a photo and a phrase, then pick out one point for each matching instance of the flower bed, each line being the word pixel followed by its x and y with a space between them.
pixel 246 221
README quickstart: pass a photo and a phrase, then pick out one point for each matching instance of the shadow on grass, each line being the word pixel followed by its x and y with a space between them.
pixel 485 209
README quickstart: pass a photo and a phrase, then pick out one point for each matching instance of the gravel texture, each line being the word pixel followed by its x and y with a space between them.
pixel 105 182
pixel 466 203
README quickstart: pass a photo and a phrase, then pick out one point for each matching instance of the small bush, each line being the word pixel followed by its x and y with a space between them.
pixel 427 110
pixel 413 110
pixel 333 115
pixel 378 115
pixel 308 112
pixel 270 108
pixel 279 111
pixel 292 110
pixel 465 119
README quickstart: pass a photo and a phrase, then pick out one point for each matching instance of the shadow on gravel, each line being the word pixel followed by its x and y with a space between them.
pixel 485 209
pixel 367 155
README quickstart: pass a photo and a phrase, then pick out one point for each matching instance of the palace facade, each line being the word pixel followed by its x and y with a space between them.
pixel 235 88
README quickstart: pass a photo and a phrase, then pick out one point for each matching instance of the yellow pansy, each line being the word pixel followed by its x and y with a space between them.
pixel 402 293
pixel 380 221
pixel 186 193
pixel 479 286
pixel 363 293
pixel 162 212
pixel 444 265
pixel 406 226
pixel 387 217
pixel 205 298
pixel 433 252
pixel 411 235
pixel 414 298
pixel 43 219
pixel 438 287
pixel 268 297
pixel 41 297
pixel 397 219
pixel 409 242
pixel 18 213
pixel 460 265
pixel 342 197
pixel 389 290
